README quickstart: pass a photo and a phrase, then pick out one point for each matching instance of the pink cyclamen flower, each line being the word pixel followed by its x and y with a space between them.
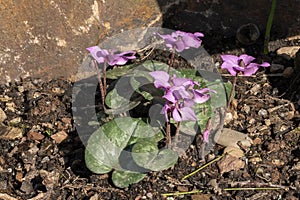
pixel 180 40
pixel 205 135
pixel 109 56
pixel 180 95
pixel 241 64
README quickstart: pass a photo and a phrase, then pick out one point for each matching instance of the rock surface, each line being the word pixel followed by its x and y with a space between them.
pixel 48 38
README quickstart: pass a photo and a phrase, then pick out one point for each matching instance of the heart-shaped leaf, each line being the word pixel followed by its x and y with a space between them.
pixel 107 143
pixel 123 179
pixel 118 72
pixel 146 154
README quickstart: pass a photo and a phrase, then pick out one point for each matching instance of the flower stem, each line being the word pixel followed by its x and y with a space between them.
pixel 104 79
pixel 231 92
pixel 100 84
pixel 177 131
pixel 171 61
pixel 168 132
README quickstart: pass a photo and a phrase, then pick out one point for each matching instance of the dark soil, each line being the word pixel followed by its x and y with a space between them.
pixel 37 166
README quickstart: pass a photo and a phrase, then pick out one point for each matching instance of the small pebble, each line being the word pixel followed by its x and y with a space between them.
pixel 257 141
pixel 21 89
pixel 149 195
pixel 255 89
pixel 268 122
pixel 288 72
pixel 276 68
pixel 263 112
pixel 246 108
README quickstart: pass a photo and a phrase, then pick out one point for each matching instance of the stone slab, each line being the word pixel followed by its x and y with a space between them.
pixel 48 38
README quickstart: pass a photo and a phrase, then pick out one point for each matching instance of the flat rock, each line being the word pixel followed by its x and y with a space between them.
pixel 48 38
pixel 229 137
pixel 288 51
pixel 10 133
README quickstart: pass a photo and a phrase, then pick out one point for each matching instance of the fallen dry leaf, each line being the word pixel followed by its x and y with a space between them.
pixel 59 136
pixel 229 163
pixel 35 136
pixel 233 151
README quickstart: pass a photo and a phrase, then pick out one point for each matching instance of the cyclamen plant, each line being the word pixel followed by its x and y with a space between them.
pixel 240 65
pixel 181 97
pixel 180 94
pixel 108 57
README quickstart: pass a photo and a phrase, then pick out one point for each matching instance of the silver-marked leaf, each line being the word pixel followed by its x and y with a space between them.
pixel 118 103
pixel 144 152
pixel 117 72
pixel 106 144
pixel 95 165
pixel 165 159
pixel 123 179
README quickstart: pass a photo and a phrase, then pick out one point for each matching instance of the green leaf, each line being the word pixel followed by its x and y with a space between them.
pixel 218 99
pixel 118 103
pixel 189 127
pixel 152 65
pixel 146 154
pixel 123 179
pixel 95 165
pixel 106 144
pixel 165 159
pixel 117 72
pixel 187 73
pixel 139 86
pixel 203 112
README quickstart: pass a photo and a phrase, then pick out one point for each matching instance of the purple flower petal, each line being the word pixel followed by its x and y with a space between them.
pixel 180 92
pixel 198 34
pixel 265 64
pixel 230 59
pixel 166 110
pixel 186 82
pixel 170 96
pixel 190 40
pixel 161 79
pixel 103 55
pixel 96 52
pixel 176 116
pixel 205 135
pixel 202 95
pixel 229 68
pixel 179 46
pixel 187 114
pixel 246 58
pixel 180 40
pixel 250 69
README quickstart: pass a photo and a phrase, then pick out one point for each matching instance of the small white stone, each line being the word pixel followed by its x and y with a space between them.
pixel 263 112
